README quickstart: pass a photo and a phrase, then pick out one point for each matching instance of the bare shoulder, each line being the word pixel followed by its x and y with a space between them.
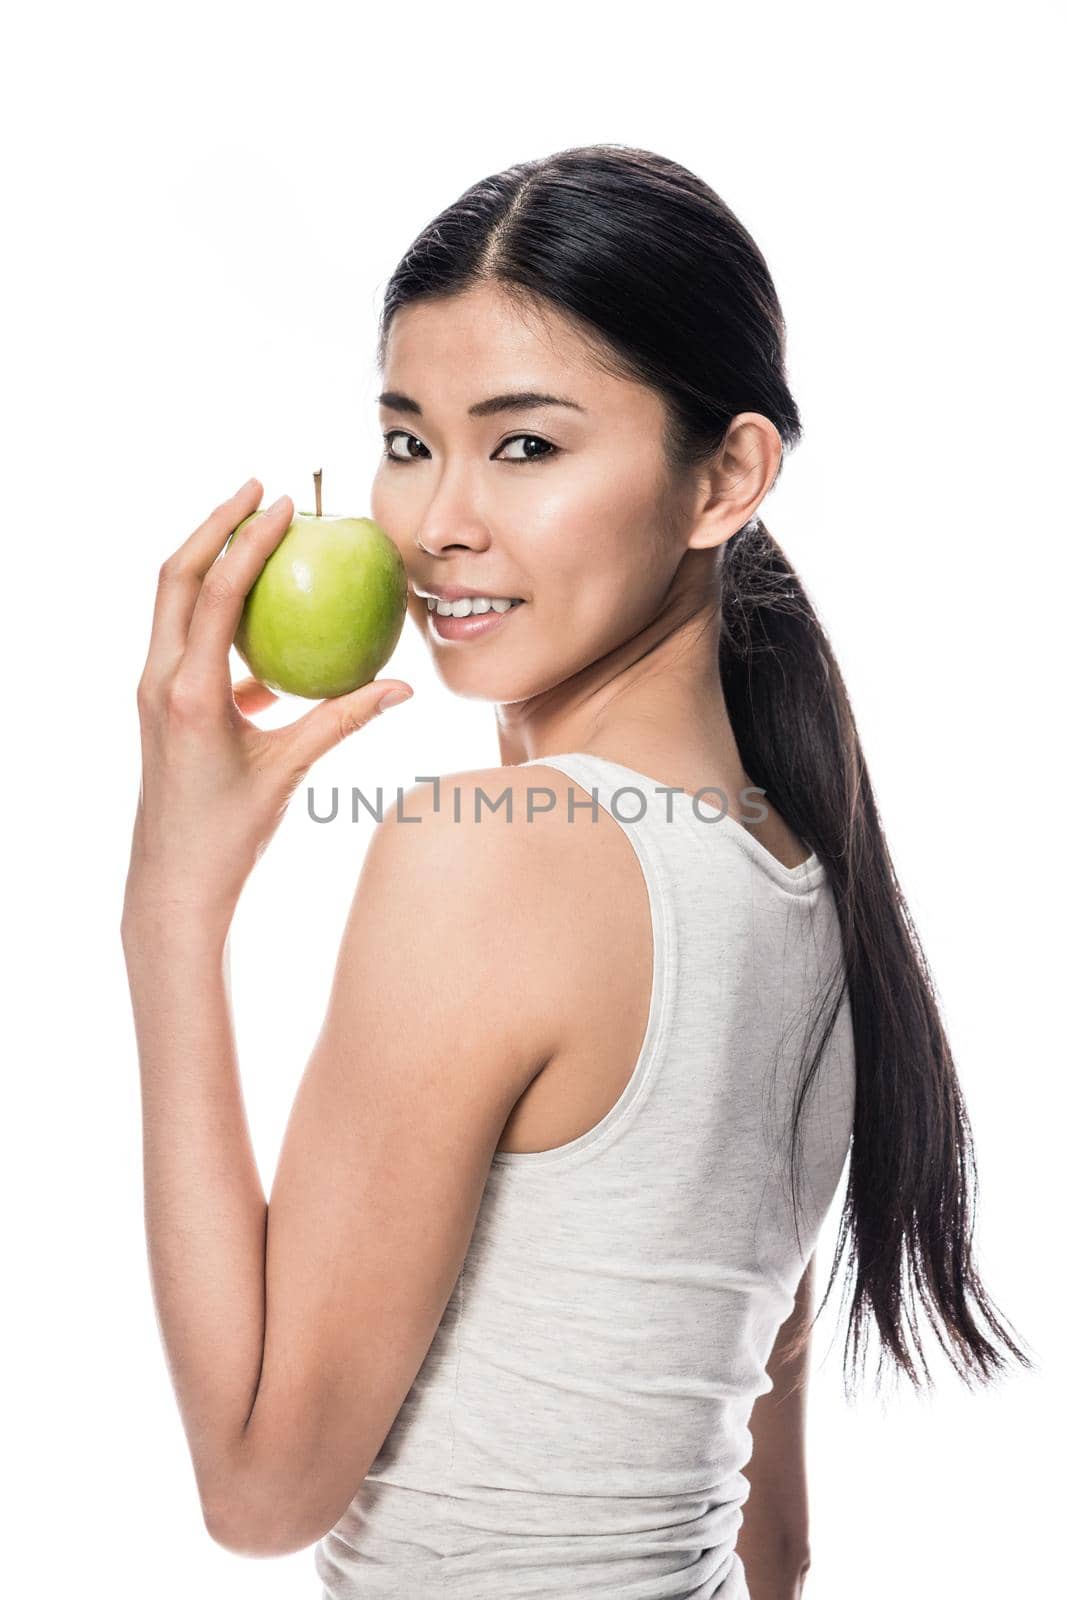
pixel 492 874
pixel 557 910
pixel 565 924
pixel 486 818
pixel 534 820
pixel 507 831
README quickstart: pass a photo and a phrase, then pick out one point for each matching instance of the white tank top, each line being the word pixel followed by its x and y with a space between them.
pixel 580 1423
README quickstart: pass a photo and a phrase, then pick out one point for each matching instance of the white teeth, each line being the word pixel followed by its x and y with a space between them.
pixel 467 608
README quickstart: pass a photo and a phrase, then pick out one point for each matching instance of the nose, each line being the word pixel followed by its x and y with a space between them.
pixel 449 523
pixel 439 540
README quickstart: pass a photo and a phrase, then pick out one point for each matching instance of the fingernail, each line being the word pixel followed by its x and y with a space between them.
pixel 247 485
pixel 279 503
pixel 395 697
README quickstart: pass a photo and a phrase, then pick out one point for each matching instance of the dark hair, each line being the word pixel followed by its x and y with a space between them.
pixel 673 292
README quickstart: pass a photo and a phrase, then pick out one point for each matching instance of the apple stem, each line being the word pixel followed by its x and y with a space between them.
pixel 318 477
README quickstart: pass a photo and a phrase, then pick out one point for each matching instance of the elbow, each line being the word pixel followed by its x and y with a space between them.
pixel 229 1530
pixel 252 1509
pixel 245 1530
pixel 223 1531
pixel 797 1562
pixel 248 1527
pixel 776 1563
pixel 248 1537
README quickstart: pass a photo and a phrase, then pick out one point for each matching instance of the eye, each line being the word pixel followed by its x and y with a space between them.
pixel 397 433
pixel 549 450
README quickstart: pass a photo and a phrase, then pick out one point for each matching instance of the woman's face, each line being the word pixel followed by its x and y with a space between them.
pixel 560 506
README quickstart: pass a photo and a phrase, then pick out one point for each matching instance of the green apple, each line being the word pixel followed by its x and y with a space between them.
pixel 327 609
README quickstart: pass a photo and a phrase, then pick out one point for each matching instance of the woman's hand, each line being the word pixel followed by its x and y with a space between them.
pixel 214 786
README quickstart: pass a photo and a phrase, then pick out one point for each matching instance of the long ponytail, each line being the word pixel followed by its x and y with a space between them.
pixel 908 1214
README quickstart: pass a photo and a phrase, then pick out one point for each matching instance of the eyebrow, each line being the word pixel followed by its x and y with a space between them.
pixel 524 400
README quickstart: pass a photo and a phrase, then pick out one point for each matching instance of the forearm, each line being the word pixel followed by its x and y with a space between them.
pixel 775 1577
pixel 205 1209
pixel 775 1559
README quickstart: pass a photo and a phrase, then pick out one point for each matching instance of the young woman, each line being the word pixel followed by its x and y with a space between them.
pixel 528 1311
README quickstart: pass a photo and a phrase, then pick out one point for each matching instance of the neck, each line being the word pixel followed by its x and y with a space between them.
pixel 655 704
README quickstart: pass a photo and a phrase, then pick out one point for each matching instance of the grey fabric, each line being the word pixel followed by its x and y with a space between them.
pixel 580 1423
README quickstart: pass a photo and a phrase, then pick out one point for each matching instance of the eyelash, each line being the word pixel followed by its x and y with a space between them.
pixel 527 461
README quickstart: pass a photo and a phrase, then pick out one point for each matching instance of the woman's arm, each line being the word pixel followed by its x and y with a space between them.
pixel 326 1302
pixel 773 1539
pixel 204 1205
pixel 214 788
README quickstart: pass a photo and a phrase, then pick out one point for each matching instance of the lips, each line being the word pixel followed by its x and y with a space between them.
pixel 457 629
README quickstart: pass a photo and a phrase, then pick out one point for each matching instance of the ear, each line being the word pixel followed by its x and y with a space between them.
pixel 737 479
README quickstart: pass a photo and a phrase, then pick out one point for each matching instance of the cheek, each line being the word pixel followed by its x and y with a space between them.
pixel 597 547
pixel 619 592
pixel 391 507
pixel 387 510
pixel 379 501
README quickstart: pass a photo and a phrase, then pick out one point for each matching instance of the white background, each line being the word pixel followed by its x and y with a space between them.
pixel 202 206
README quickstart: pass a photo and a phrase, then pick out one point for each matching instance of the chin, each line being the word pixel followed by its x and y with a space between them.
pixel 491 688
pixel 502 684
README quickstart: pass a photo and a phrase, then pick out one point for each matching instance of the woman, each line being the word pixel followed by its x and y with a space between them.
pixel 534 1283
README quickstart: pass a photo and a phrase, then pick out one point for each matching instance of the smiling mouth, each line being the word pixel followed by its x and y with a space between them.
pixel 473 606
pixel 474 625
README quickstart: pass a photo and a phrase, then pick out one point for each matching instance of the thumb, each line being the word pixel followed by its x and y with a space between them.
pixel 331 721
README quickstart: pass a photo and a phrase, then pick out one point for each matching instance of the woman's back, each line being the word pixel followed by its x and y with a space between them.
pixel 579 1425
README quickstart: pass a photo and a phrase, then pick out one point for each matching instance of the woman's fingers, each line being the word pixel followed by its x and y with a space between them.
pixel 217 612
pixel 331 721
pixel 251 696
pixel 181 576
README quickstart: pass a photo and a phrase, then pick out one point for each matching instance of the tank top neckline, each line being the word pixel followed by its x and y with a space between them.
pixel 807 874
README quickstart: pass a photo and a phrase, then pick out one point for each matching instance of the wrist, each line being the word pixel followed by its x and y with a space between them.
pixel 154 916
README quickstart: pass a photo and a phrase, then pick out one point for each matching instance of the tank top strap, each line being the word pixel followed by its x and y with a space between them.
pixel 673 822
pixel 603 783
pixel 664 839
pixel 630 797
pixel 658 820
